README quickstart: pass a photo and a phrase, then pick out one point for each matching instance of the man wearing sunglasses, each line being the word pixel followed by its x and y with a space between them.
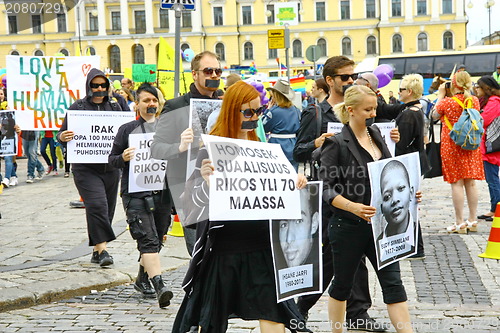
pixel 173 136
pixel 338 73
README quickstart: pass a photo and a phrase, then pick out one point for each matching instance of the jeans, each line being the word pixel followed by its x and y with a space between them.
pixel 9 167
pixel 52 161
pixel 491 173
pixel 29 148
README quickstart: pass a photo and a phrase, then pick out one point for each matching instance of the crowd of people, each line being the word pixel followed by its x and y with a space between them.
pixel 231 271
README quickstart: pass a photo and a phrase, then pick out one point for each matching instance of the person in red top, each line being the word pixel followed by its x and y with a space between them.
pixel 488 91
pixel 460 167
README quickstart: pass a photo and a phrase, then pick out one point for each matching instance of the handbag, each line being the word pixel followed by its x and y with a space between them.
pixel 433 152
pixel 492 139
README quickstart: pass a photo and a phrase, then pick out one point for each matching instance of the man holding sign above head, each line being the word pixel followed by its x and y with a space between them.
pixel 148 212
pixel 97 183
pixel 231 273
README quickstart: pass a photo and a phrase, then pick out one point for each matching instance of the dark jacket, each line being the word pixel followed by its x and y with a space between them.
pixel 343 170
pixel 387 112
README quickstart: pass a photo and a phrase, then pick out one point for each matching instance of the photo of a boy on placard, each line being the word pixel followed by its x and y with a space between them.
pixel 394 183
pixel 296 246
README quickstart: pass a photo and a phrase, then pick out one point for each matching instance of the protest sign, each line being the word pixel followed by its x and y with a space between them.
pixel 143 73
pixel 251 181
pixel 334 127
pixel 394 183
pixel 41 89
pixel 296 247
pixel 8 136
pixel 145 173
pixel 94 134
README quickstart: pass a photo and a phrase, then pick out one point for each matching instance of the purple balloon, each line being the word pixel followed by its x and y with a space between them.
pixel 383 79
pixel 384 69
pixel 4 81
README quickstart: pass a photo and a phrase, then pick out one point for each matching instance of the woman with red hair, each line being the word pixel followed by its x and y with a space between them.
pixel 231 272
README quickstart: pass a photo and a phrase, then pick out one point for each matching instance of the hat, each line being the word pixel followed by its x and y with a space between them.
pixel 498 66
pixel 283 87
pixel 461 66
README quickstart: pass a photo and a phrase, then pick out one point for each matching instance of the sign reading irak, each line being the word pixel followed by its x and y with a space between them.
pixel 252 181
pixel 41 89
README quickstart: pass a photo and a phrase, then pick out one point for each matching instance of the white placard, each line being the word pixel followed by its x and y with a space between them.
pixel 334 127
pixel 385 130
pixel 95 132
pixel 252 181
pixel 41 89
pixel 8 135
pixel 145 173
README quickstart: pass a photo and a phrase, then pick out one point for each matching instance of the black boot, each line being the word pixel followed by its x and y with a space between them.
pixel 142 283
pixel 162 293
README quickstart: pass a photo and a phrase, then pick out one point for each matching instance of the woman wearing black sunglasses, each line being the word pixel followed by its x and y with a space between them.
pixel 282 119
pixel 231 273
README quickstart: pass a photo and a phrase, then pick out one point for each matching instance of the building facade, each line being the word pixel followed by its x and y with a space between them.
pixel 125 32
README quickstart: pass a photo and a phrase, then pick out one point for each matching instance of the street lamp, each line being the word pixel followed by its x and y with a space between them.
pixel 488 5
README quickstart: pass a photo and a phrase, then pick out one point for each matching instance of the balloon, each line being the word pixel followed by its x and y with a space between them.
pixel 4 80
pixel 117 84
pixel 188 55
pixel 302 62
pixel 3 71
pixel 384 74
pixel 383 80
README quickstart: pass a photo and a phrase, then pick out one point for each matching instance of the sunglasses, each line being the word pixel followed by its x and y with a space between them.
pixel 209 70
pixel 402 89
pixel 104 85
pixel 345 77
pixel 248 113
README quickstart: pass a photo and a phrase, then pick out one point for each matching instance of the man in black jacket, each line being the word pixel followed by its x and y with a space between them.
pixel 173 136
pixel 339 74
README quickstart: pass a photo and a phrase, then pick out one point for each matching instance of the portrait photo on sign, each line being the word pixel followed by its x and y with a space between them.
pixel 394 183
pixel 296 247
pixel 8 136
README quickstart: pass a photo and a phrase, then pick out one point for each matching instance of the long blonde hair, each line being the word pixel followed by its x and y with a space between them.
pixel 463 82
pixel 353 96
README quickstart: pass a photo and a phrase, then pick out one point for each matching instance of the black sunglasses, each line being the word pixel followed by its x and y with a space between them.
pixel 248 113
pixel 402 89
pixel 209 70
pixel 345 77
pixel 104 85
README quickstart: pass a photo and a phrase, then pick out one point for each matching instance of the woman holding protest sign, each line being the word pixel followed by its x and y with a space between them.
pixel 97 183
pixel 148 212
pixel 231 273
pixel 344 170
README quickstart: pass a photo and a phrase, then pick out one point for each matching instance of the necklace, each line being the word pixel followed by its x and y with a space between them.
pixel 373 147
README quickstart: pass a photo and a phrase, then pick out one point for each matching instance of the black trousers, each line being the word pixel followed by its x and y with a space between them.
pixel 99 191
pixel 360 300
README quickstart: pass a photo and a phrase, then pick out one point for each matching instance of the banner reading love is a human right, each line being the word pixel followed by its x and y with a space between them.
pixel 41 89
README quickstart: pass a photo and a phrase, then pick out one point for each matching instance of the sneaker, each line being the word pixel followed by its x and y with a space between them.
pixel 13 181
pixel 66 175
pixel 61 165
pixel 49 170
pixel 95 257
pixel 5 182
pixel 105 259
pixel 55 173
pixel 29 180
pixel 39 175
pixel 366 324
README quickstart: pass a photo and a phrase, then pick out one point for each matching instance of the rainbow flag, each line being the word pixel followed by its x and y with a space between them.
pixel 298 84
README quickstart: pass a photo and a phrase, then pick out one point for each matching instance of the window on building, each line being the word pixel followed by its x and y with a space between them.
pixel 396 7
pixel 220 50
pixel 248 51
pixel 447 6
pixel 65 52
pixel 140 21
pixel 421 7
pixel 93 22
pixel 164 18
pixel 116 22
pixel 246 14
pixel 36 24
pixel 397 43
pixel 138 54
pixel 90 50
pixel 371 45
pixel 218 16
pixel 61 23
pixel 422 42
pixel 448 40
pixel 14 53
pixel 115 62
pixel 297 48
pixel 320 11
pixel 13 24
pixel 272 53
pixel 186 19
pixel 38 53
pixel 322 45
pixel 346 46
pixel 370 9
pixel 345 9
pixel 270 18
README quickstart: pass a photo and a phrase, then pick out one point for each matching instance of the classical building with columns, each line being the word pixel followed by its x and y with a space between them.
pixel 125 32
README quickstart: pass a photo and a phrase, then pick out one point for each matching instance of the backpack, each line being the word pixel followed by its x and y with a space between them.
pixel 427 107
pixel 468 130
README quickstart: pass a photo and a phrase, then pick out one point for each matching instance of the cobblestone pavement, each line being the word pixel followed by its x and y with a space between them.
pixel 48 273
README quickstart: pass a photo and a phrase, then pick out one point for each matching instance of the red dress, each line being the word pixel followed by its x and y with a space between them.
pixel 457 163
